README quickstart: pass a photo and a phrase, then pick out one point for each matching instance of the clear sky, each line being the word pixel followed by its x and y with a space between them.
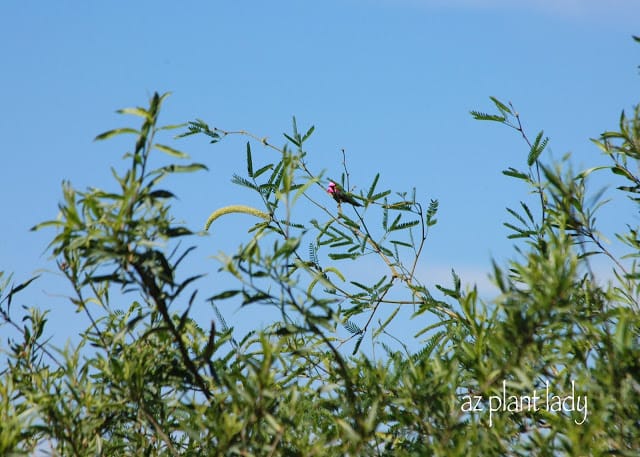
pixel 390 81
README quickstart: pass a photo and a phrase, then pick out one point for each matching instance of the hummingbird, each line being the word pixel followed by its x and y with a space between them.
pixel 340 195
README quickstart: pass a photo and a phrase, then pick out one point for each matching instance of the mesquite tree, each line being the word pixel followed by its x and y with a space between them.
pixel 549 366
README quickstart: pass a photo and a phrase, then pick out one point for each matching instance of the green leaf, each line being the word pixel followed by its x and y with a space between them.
pixel 14 290
pixel 431 326
pixel 583 174
pixel 140 112
pixel 46 224
pixel 361 286
pixel 258 296
pixel 386 322
pixel 611 135
pixel 173 232
pixel 287 248
pixel 114 132
pixel 172 126
pixel 160 193
pixel 335 271
pixel 170 151
pixel 302 189
pixel 183 168
pixel 350 222
pixel 224 295
pixel 622 172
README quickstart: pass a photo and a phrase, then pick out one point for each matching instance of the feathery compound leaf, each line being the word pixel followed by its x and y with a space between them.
pixel 221 319
pixel 342 256
pixel 262 170
pixel 517 216
pixel 276 176
pixel 355 349
pixel 385 216
pixel 292 140
pixel 430 345
pixel 401 243
pixel 373 186
pixel 313 254
pixel 536 149
pixel 396 225
pixel 519 232
pixel 249 161
pixel 480 116
pixel 395 222
pixel 501 106
pixel 400 206
pixel 431 212
pixel 526 209
pixel 515 174
pixel 352 328
pixel 308 134
pixel 405 225
pixel 200 126
pixel 244 182
pixel 380 195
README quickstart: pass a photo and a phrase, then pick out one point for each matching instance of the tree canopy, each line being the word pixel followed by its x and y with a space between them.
pixel 549 366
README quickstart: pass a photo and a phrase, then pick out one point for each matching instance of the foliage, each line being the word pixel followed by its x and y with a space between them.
pixel 146 379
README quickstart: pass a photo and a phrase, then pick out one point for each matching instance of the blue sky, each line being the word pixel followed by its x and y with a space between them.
pixel 391 82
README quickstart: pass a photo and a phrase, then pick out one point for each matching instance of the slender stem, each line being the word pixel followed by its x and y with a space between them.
pixel 520 129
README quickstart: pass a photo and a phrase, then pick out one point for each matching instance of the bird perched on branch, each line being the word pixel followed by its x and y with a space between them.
pixel 340 195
